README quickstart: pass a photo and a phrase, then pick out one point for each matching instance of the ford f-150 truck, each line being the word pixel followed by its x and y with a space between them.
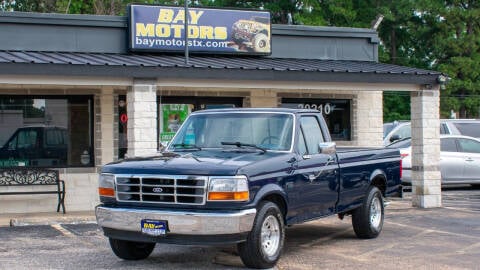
pixel 241 176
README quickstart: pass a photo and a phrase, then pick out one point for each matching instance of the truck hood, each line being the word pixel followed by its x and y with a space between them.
pixel 204 162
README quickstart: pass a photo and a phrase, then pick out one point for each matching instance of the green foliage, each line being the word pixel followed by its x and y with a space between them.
pixel 442 35
pixel 396 106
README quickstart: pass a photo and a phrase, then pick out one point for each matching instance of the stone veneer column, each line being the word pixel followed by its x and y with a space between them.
pixel 426 178
pixel 367 126
pixel 142 118
pixel 263 99
pixel 106 126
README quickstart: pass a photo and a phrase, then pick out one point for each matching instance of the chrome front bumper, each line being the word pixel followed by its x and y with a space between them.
pixel 187 223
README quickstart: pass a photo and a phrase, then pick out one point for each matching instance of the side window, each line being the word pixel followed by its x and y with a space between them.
pixel 12 145
pixel 313 133
pixel 469 146
pixel 443 128
pixel 404 132
pixel 26 139
pixel 302 148
pixel 448 145
pixel 51 137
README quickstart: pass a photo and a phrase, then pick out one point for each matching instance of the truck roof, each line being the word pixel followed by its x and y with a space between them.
pixel 273 110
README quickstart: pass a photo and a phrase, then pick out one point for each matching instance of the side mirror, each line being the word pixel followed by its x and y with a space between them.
pixel 395 137
pixel 327 148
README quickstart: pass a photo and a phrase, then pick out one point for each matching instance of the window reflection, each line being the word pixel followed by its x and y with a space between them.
pixel 40 132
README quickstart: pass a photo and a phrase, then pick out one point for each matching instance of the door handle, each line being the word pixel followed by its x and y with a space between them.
pixel 469 159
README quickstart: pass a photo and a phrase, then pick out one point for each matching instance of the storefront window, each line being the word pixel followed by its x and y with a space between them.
pixel 335 111
pixel 46 132
pixel 171 118
pixel 174 110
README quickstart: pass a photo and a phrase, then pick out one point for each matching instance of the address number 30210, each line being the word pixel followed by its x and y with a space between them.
pixel 326 108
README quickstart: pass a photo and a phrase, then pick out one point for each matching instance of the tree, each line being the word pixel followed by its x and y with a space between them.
pixel 457 52
pixel 430 34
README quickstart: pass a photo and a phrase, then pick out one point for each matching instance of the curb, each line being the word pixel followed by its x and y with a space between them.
pixel 32 219
pixel 17 222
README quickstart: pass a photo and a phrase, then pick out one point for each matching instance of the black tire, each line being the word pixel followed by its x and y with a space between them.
pixel 129 250
pixel 261 43
pixel 367 220
pixel 264 253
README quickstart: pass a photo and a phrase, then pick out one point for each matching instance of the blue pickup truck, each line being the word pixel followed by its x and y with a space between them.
pixel 241 176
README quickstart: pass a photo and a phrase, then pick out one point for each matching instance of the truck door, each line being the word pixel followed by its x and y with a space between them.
pixel 317 180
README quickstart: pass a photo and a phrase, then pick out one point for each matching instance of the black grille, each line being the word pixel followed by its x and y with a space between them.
pixel 161 189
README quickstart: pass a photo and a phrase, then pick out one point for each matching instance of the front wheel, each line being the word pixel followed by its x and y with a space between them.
pixel 265 242
pixel 129 250
pixel 367 220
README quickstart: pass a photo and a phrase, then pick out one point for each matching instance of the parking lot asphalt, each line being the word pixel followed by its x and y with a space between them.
pixel 412 238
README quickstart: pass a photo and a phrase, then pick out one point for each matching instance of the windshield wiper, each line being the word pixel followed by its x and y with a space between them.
pixel 239 144
pixel 186 146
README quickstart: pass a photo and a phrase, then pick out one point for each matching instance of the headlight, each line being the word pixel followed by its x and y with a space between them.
pixel 228 189
pixel 106 185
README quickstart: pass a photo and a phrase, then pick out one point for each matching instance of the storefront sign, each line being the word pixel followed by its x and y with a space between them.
pixel 161 28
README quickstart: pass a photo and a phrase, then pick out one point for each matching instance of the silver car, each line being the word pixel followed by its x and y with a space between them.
pixel 459 159
pixel 398 130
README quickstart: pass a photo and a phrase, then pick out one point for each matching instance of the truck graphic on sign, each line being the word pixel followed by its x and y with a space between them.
pixel 253 34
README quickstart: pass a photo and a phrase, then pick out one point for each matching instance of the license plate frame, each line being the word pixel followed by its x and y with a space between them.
pixel 153 227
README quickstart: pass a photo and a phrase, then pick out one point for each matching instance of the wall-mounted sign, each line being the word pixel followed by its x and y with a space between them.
pixel 162 29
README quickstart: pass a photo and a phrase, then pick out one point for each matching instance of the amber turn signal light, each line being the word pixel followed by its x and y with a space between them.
pixel 108 192
pixel 228 196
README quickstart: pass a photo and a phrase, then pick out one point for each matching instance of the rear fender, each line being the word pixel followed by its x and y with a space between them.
pixel 378 178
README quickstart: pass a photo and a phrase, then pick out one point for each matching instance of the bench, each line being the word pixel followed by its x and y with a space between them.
pixel 23 176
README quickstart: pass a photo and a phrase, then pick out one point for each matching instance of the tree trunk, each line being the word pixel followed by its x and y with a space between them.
pixel 393 46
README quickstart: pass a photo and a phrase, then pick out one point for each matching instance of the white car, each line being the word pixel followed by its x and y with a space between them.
pixel 398 130
pixel 459 159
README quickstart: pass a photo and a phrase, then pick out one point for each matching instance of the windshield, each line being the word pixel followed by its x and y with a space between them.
pixel 270 131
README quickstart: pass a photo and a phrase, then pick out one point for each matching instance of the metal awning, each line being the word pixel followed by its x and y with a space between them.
pixel 208 66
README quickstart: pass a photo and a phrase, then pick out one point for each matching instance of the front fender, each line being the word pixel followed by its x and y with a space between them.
pixel 271 191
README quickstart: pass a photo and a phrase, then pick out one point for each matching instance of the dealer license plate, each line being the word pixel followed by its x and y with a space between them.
pixel 154 227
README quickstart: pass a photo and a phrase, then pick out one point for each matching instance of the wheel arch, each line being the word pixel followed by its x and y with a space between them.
pixel 275 194
pixel 378 179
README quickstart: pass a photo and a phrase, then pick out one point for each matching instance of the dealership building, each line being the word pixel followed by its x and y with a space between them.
pixel 100 89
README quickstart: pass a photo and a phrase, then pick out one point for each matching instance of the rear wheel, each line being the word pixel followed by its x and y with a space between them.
pixel 261 43
pixel 265 242
pixel 129 250
pixel 367 220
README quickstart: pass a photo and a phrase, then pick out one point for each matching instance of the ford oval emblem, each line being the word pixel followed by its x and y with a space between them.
pixel 157 190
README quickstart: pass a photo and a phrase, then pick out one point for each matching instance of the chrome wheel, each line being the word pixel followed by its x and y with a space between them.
pixel 264 243
pixel 375 212
pixel 270 235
